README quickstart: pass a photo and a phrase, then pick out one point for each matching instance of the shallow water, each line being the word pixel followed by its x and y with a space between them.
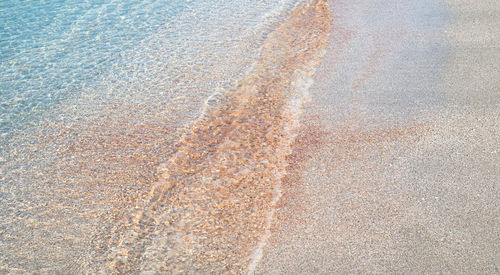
pixel 53 52
pixel 147 136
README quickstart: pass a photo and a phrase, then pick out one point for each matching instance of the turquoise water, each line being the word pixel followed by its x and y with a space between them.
pixel 93 94
pixel 52 50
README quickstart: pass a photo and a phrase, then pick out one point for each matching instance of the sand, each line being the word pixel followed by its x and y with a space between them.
pixel 397 166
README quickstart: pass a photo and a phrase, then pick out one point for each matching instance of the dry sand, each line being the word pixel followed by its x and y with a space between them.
pixel 397 167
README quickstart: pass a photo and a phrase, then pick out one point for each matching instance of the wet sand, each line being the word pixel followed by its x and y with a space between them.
pixel 397 165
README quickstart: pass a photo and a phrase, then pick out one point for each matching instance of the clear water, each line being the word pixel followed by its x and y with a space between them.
pixel 92 95
pixel 53 50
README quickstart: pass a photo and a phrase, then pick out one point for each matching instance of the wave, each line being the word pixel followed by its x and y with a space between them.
pixel 211 206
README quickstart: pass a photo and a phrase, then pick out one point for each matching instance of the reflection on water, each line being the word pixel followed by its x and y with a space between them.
pixel 121 181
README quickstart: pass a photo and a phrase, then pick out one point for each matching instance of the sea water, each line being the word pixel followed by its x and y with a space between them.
pixel 103 103
pixel 53 50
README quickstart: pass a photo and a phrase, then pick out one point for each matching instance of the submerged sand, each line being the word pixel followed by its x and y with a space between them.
pixel 397 167
pixel 127 193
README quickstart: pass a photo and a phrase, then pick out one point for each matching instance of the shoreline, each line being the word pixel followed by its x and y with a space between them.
pixel 366 146
pixel 213 201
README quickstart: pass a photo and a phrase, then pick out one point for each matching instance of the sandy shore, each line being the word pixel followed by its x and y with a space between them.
pixel 397 167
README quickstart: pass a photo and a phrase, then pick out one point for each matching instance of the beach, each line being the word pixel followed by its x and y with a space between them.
pixel 279 137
